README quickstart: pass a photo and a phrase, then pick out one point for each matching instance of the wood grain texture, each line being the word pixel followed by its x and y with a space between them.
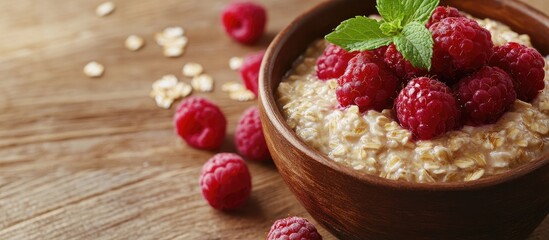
pixel 88 158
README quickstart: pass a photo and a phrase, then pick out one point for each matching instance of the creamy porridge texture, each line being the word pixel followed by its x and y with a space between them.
pixel 375 143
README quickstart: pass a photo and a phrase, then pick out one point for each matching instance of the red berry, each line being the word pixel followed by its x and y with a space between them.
pixel 293 228
pixel 366 83
pixel 525 65
pixel 401 67
pixel 244 21
pixel 461 46
pixel 249 138
pixel 225 181
pixel 249 72
pixel 332 63
pixel 200 123
pixel 379 53
pixel 442 13
pixel 427 108
pixel 485 95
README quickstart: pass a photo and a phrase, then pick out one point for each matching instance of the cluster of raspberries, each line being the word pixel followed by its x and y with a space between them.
pixel 471 81
pixel 225 180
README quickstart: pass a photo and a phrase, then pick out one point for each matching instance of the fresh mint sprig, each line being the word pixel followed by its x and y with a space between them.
pixel 403 23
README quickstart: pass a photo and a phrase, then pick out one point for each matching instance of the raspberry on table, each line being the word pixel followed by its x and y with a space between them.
pixel 442 12
pixel 485 95
pixel 332 63
pixel 427 108
pixel 225 181
pixel 249 137
pixel 200 123
pixel 525 65
pixel 249 71
pixel 244 21
pixel 293 228
pixel 401 67
pixel 461 46
pixel 366 83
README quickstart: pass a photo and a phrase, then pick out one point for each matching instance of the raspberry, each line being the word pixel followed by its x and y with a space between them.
pixel 401 67
pixel 379 53
pixel 293 228
pixel 225 181
pixel 441 13
pixel 461 46
pixel 249 72
pixel 443 68
pixel 427 108
pixel 249 138
pixel 485 95
pixel 525 65
pixel 366 83
pixel 244 21
pixel 332 63
pixel 200 123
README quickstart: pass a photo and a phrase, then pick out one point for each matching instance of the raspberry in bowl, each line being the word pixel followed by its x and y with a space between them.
pixel 363 173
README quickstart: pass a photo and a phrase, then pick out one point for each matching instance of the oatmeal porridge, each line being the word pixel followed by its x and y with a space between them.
pixel 373 142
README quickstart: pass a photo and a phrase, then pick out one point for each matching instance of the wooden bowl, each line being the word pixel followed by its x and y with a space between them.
pixel 355 205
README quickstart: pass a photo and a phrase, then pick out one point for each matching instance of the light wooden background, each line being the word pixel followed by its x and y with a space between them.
pixel 88 158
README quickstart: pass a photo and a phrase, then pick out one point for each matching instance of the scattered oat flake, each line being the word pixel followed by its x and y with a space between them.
pixel 242 95
pixel 134 42
pixel 163 40
pixel 232 87
pixel 173 32
pixel 192 69
pixel 202 83
pixel 183 89
pixel 104 9
pixel 235 63
pixel 173 51
pixel 176 42
pixel 163 102
pixel 166 82
pixel 172 40
pixel 160 39
pixel 94 69
pixel 168 89
pixel 237 91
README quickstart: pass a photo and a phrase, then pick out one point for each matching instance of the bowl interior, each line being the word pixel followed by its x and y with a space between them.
pixel 319 21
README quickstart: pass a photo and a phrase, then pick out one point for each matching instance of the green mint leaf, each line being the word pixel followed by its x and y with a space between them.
pixel 417 10
pixel 359 34
pixel 403 23
pixel 415 43
pixel 391 28
pixel 390 10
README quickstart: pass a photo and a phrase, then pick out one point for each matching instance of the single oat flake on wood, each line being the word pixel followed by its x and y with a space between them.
pixel 104 9
pixel 237 91
pixel 235 63
pixel 232 87
pixel 173 51
pixel 134 42
pixel 192 69
pixel 242 95
pixel 202 83
pixel 94 69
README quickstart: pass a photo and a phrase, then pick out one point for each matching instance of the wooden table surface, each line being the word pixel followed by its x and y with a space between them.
pixel 89 158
